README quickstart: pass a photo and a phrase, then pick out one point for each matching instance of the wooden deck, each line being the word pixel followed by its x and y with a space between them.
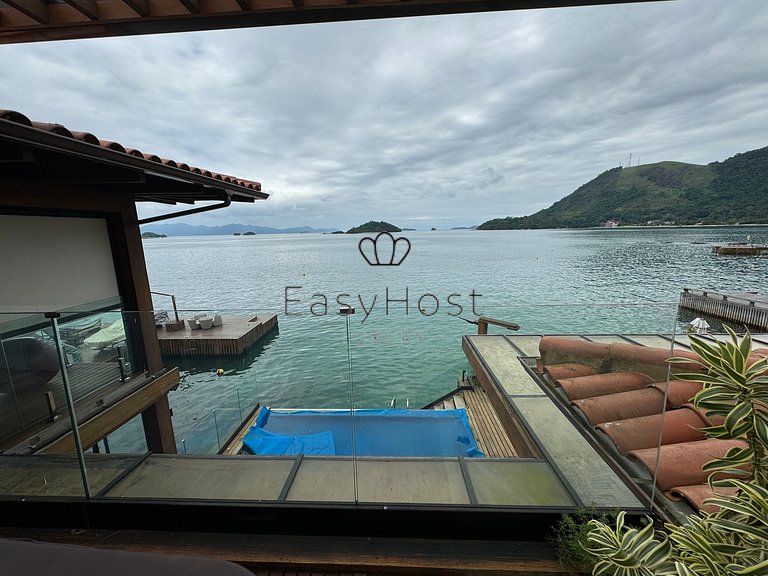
pixel 235 335
pixel 739 307
pixel 486 426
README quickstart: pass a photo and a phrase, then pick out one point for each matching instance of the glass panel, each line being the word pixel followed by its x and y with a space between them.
pixel 323 480
pixel 58 475
pixel 205 478
pixel 411 481
pixel 34 412
pixel 521 483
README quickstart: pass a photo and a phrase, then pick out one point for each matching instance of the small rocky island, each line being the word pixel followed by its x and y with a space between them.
pixel 374 227
pixel 146 235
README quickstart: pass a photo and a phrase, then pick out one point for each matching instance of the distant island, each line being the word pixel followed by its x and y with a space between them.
pixel 179 229
pixel 734 191
pixel 152 235
pixel 374 227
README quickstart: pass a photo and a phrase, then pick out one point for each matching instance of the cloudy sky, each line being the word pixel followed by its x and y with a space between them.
pixel 433 121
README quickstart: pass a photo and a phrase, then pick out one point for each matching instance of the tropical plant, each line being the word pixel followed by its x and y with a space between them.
pixel 734 389
pixel 628 552
pixel 734 540
pixel 570 539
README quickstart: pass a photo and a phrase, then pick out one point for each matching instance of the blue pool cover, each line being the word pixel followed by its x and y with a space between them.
pixel 394 432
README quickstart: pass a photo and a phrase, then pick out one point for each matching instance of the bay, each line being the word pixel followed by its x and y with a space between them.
pixel 549 281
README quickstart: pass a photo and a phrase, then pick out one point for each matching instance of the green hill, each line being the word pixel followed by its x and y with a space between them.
pixel 374 227
pixel 728 192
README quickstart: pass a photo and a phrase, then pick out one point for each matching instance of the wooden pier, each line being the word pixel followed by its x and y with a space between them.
pixel 235 335
pixel 744 308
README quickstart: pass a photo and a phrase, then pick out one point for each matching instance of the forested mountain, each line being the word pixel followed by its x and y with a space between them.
pixel 728 192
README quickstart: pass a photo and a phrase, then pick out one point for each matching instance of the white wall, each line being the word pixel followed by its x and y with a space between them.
pixel 53 263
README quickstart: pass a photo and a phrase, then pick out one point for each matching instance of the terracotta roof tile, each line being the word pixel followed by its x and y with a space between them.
pixel 696 494
pixel 622 405
pixel 679 392
pixel 681 425
pixel 18 118
pixel 570 370
pixel 603 384
pixel 629 412
pixel 116 146
pixel 680 464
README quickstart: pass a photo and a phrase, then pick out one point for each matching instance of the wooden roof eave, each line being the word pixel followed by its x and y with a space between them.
pixel 40 139
pixel 35 21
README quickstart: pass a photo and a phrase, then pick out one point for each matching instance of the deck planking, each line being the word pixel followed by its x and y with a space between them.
pixel 486 427
pixel 235 335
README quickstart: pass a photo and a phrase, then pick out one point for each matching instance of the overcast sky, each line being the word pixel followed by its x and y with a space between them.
pixel 432 121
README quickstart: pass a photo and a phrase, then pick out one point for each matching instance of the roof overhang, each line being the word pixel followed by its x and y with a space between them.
pixel 34 155
pixel 45 20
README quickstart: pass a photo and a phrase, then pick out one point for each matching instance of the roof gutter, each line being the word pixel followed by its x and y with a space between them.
pixel 227 200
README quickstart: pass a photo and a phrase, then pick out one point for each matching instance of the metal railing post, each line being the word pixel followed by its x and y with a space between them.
pixel 216 425
pixel 53 316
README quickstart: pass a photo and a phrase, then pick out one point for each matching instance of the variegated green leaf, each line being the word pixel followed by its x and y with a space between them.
pixel 760 569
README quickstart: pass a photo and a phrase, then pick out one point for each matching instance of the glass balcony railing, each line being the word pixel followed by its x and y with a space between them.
pixel 361 386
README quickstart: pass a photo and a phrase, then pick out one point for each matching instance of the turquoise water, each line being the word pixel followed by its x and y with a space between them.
pixel 549 281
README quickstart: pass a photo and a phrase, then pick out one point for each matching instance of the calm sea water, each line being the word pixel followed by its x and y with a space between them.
pixel 551 281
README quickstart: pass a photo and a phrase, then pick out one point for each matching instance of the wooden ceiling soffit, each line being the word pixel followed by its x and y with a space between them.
pixel 86 7
pixel 141 7
pixel 36 21
pixel 191 6
pixel 34 9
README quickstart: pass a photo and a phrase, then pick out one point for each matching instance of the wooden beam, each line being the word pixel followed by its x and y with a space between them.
pixel 117 414
pixel 141 7
pixel 294 554
pixel 244 4
pixel 192 6
pixel 87 8
pixel 298 3
pixel 35 9
pixel 158 427
pixel 131 269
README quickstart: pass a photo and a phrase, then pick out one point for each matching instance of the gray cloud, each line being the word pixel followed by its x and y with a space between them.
pixel 443 120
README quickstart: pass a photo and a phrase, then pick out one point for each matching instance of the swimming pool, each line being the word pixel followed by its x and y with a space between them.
pixel 393 432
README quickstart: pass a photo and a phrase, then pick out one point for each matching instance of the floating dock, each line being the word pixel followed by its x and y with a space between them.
pixel 739 249
pixel 745 308
pixel 235 335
